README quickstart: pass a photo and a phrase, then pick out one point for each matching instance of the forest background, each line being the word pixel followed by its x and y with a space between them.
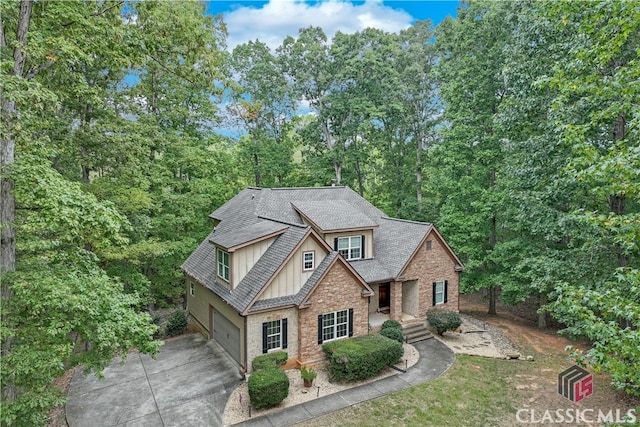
pixel 513 127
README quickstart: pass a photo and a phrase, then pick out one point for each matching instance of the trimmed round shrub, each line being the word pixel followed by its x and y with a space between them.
pixel 177 323
pixel 393 333
pixel 268 387
pixel 361 357
pixel 443 320
pixel 391 324
pixel 269 360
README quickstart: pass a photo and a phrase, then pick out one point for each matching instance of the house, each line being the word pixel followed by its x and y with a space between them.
pixel 291 268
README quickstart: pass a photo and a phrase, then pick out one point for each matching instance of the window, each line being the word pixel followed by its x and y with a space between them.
pixel 350 247
pixel 274 335
pixel 192 288
pixel 223 264
pixel 334 325
pixel 440 292
pixel 428 246
pixel 308 261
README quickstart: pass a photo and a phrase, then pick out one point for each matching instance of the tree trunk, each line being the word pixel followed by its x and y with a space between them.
pixel 542 316
pixel 7 156
pixel 256 168
pixel 493 238
pixel 337 167
pixel 492 300
pixel 419 172
pixel 359 175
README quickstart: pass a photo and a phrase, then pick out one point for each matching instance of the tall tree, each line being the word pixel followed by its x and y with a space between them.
pixel 469 159
pixel 596 114
pixel 261 103
pixel 310 65
pixel 58 306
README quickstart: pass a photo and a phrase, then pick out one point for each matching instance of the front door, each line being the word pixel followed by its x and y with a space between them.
pixel 384 296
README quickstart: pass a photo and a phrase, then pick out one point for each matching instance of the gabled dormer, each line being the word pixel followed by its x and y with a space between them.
pixel 341 224
pixel 238 250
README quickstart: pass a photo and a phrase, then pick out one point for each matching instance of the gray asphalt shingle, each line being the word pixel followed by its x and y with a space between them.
pixel 241 235
pixel 334 214
pixel 254 213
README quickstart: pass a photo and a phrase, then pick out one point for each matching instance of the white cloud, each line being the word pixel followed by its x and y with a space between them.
pixel 280 18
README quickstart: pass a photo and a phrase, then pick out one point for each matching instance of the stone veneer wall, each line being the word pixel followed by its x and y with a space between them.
pixel 339 290
pixel 254 332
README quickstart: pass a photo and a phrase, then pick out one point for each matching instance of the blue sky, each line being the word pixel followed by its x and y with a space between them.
pixel 271 21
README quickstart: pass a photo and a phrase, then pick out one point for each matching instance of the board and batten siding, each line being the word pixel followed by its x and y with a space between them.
pixel 245 258
pixel 368 239
pixel 198 307
pixel 291 278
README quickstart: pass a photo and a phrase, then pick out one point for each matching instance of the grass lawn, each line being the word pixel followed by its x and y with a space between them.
pixel 473 392
pixel 479 391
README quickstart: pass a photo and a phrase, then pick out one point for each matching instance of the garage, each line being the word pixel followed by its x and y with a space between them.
pixel 227 335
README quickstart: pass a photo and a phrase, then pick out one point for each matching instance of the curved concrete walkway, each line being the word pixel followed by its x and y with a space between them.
pixel 435 359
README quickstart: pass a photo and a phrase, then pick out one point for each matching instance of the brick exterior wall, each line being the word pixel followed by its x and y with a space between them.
pixel 395 301
pixel 428 266
pixel 339 290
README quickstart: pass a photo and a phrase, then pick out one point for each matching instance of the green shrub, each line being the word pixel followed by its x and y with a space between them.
pixel 268 387
pixel 393 333
pixel 392 329
pixel 361 357
pixel 391 324
pixel 269 360
pixel 443 320
pixel 177 323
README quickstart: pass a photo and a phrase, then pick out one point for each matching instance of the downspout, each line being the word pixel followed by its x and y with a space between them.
pixel 245 349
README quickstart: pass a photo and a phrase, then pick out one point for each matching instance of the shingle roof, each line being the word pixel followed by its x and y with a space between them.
pixel 201 265
pixel 393 245
pixel 334 214
pixel 255 212
pixel 230 238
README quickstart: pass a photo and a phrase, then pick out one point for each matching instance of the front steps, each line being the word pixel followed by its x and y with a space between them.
pixel 415 331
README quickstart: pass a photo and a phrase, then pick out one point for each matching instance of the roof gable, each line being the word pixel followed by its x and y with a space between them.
pixel 459 266
pixel 333 215
pixel 234 239
pixel 333 260
pixel 276 268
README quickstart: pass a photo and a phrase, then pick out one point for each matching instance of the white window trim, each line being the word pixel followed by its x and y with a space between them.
pixel 279 335
pixel 350 248
pixel 221 274
pixel 335 325
pixel 312 260
pixel 439 285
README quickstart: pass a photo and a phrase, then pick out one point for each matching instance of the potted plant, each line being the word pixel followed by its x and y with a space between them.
pixel 308 375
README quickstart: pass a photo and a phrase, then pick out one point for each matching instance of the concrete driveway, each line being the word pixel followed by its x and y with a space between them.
pixel 188 384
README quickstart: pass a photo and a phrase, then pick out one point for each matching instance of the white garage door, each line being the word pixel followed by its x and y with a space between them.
pixel 227 335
